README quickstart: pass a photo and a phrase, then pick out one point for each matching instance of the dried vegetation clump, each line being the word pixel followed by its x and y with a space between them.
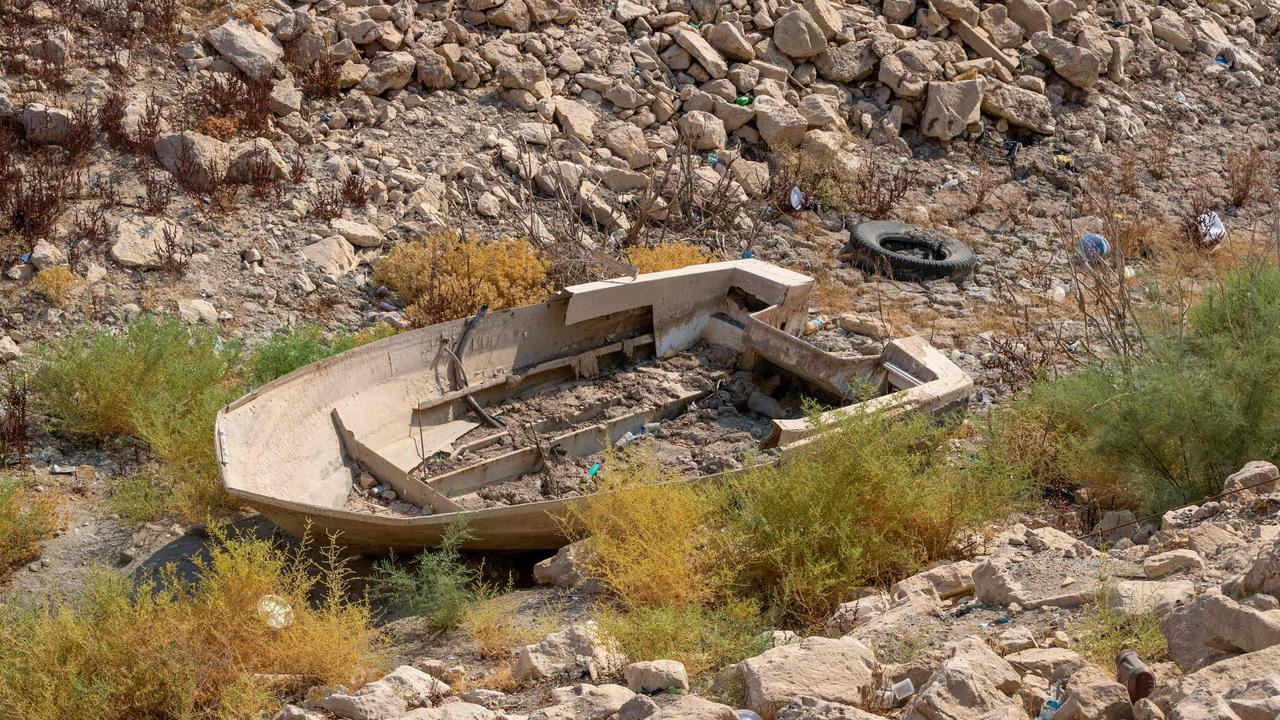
pixel 446 276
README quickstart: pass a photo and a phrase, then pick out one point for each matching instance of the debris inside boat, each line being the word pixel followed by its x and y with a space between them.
pixel 507 417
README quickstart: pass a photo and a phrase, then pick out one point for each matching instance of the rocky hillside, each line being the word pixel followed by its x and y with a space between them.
pixel 1002 636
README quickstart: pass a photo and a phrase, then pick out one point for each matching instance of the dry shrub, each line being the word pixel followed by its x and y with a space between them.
pixel 1245 170
pixel 444 276
pixel 15 435
pixel 220 127
pixel 651 537
pixel 355 192
pixel 207 648
pixel 666 256
pixel 495 625
pixel 56 284
pixel 328 204
pixel 27 518
pixel 233 102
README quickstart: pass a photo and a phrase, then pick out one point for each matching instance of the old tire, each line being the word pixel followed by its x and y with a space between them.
pixel 908 252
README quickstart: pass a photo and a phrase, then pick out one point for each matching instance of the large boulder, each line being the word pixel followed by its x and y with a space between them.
pixel 950 108
pixel 1075 64
pixel 577 649
pixel 697 46
pixel 1092 695
pixel 568 568
pixel 1257 477
pixel 702 130
pixel 655 676
pixel 391 71
pixel 847 63
pixel 1261 576
pixel 811 708
pixel 692 707
pixel 972 680
pixel 334 255
pixel 780 124
pixel 730 41
pixel 138 239
pixel 1148 597
pixel 196 160
pixel 836 670
pixel 42 124
pixel 798 36
pixel 1211 691
pixel 375 701
pixel 1050 663
pixel 908 71
pixel 1019 106
pixel 240 44
pixel 585 702
pixel 1167 563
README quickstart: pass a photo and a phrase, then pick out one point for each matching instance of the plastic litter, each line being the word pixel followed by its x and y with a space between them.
pixel 1052 704
pixel 1212 229
pixel 747 715
pixel 796 198
pixel 62 470
pixel 743 100
pixel 903 689
pixel 275 611
pixel 326 117
pixel 1003 620
pixel 712 158
pixel 1092 246
pixel 25 258
pixel 594 469
pixel 387 305
pixel 950 183
pixel 746 254
pixel 625 440
pixel 636 70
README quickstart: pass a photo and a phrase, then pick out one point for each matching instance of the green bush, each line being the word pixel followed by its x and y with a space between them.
pixel 1105 632
pixel 1167 427
pixel 139 498
pixel 159 382
pixel 285 352
pixel 869 501
pixel 440 587
pixel 704 638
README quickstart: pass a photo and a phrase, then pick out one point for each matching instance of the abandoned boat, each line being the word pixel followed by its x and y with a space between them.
pixel 504 417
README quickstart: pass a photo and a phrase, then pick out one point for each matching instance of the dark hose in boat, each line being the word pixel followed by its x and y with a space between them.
pixel 457 365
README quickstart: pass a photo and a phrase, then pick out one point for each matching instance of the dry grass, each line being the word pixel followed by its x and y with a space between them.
pixel 1245 172
pixel 27 518
pixel 56 284
pixel 496 626
pixel 166 649
pixel 445 276
pixel 666 256
pixel 651 540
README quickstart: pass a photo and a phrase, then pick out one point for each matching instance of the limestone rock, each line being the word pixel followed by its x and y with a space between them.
pixel 1021 107
pixel 971 680
pixel 835 670
pixel 1075 64
pixel 253 53
pixel 1167 563
pixel 1261 576
pixel 585 702
pixel 1092 695
pixel 1140 597
pixel 567 569
pixel 1050 663
pixel 702 130
pixel 729 39
pixel 577 648
pixel 797 35
pixel 847 63
pixel 42 124
pixel 694 44
pixel 692 707
pixel 811 708
pixel 375 701
pixel 391 71
pixel 1260 476
pixel 950 108
pixel 137 240
pixel 780 124
pixel 655 676
pixel 194 159
pixel 333 254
